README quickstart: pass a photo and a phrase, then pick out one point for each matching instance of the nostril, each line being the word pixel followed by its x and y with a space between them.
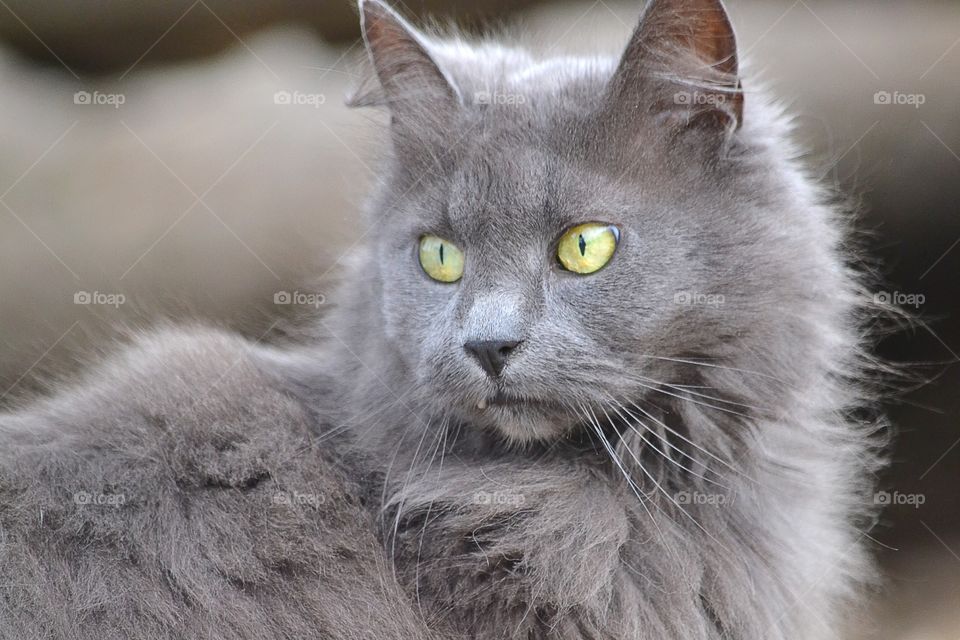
pixel 491 355
pixel 507 348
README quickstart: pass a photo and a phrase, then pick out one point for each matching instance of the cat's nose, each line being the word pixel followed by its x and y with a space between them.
pixel 491 354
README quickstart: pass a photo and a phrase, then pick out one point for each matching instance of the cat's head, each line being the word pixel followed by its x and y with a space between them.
pixel 556 239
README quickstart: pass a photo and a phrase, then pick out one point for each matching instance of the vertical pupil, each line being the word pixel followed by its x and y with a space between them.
pixel 441 254
pixel 583 246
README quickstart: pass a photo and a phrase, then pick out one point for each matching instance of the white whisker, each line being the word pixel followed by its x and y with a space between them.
pixel 691 442
pixel 658 485
pixel 662 453
pixel 616 459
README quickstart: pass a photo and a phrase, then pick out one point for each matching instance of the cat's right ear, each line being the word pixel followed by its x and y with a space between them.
pixel 411 84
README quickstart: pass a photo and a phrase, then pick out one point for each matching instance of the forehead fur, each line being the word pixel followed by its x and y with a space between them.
pixel 510 102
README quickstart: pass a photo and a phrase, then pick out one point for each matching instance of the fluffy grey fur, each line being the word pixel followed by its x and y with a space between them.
pixel 176 494
pixel 671 452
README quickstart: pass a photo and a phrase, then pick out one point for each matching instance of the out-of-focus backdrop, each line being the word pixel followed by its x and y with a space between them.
pixel 192 159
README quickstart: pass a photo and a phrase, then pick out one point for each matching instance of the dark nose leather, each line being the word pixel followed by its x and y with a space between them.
pixel 492 354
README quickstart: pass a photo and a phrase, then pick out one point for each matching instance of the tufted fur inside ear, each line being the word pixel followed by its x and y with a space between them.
pixel 687 50
pixel 411 82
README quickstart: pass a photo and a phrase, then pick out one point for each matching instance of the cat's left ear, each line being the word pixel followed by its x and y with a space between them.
pixel 411 83
pixel 681 63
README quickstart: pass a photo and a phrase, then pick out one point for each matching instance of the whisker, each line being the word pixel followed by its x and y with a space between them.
pixel 659 486
pixel 663 438
pixel 441 441
pixel 716 366
pixel 403 496
pixel 691 442
pixel 616 459
pixel 662 453
pixel 664 491
pixel 686 389
pixel 690 400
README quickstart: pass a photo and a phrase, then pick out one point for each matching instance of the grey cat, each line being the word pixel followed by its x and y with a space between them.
pixel 595 371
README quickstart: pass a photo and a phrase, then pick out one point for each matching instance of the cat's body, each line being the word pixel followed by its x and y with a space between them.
pixel 177 494
pixel 667 450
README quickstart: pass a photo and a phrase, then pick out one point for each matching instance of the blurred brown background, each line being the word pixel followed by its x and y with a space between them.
pixel 183 159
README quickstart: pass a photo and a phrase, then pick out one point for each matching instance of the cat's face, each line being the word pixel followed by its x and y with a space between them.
pixel 519 343
pixel 505 201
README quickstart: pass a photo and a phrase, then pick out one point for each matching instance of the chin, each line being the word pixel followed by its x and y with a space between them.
pixel 524 425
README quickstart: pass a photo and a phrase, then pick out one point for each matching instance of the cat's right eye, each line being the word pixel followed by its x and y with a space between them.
pixel 441 259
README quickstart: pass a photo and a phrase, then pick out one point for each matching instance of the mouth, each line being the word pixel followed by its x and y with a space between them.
pixel 507 401
pixel 523 419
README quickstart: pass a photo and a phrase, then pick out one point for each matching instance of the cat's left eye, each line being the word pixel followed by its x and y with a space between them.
pixel 441 259
pixel 588 247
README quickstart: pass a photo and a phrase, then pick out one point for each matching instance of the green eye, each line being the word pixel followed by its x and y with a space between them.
pixel 441 259
pixel 587 247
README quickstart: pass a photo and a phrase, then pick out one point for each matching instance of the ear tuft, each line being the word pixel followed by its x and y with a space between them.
pixel 411 82
pixel 683 56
